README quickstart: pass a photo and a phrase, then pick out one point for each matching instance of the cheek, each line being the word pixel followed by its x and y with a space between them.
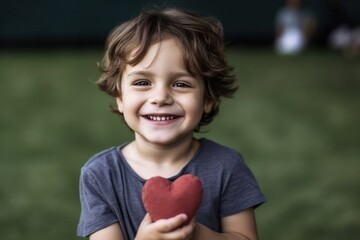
pixel 130 104
pixel 194 105
pixel 130 110
pixel 123 102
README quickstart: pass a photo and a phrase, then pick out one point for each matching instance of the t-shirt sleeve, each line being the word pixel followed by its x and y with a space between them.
pixel 95 211
pixel 240 190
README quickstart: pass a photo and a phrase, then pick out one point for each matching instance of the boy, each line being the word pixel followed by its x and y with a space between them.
pixel 167 71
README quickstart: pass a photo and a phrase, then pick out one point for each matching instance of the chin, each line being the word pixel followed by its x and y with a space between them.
pixel 161 141
pixel 167 139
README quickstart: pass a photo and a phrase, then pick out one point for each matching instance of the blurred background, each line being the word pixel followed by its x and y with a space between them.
pixel 295 117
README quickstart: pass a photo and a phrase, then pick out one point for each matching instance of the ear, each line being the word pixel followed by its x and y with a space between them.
pixel 119 103
pixel 208 105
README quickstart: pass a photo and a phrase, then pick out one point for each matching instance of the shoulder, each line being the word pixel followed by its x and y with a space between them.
pixel 101 162
pixel 102 158
pixel 219 154
pixel 226 176
pixel 212 148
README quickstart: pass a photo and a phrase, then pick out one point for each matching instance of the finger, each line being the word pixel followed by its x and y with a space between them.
pixel 193 220
pixel 146 220
pixel 167 225
pixel 185 232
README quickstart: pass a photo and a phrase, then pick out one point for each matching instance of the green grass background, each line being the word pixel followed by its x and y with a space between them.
pixel 295 119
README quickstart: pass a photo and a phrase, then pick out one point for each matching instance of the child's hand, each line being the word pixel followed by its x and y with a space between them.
pixel 165 229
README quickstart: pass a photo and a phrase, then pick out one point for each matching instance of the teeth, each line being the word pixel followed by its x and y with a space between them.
pixel 158 118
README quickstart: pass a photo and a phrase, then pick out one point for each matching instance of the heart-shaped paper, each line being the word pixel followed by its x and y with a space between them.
pixel 164 199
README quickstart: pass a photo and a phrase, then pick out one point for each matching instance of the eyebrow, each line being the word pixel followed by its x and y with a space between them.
pixel 174 74
pixel 143 73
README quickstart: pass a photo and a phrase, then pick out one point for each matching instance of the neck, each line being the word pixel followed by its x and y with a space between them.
pixel 166 154
pixel 149 160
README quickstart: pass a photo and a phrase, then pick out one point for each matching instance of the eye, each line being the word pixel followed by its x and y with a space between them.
pixel 142 82
pixel 182 84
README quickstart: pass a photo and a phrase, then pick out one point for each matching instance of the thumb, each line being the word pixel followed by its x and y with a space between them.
pixel 147 219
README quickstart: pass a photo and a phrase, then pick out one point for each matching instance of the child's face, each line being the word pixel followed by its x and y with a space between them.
pixel 161 102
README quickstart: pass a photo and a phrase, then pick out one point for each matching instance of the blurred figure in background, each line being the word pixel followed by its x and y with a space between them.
pixel 294 28
pixel 344 32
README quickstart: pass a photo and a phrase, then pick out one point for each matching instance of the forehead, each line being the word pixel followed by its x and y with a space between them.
pixel 167 49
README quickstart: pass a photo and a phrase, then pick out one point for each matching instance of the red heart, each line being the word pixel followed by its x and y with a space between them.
pixel 163 199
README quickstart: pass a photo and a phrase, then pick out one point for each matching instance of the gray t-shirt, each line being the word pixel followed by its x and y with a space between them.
pixel 110 190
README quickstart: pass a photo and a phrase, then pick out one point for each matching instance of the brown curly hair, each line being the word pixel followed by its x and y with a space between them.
pixel 201 38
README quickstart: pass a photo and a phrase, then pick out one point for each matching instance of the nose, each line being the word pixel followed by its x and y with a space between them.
pixel 161 95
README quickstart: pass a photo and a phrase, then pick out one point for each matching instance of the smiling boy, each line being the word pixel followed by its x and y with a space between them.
pixel 167 71
pixel 163 104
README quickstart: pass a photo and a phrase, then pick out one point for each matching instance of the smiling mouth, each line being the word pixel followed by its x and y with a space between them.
pixel 161 118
